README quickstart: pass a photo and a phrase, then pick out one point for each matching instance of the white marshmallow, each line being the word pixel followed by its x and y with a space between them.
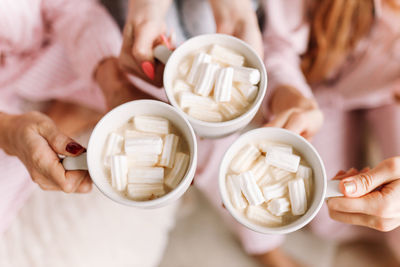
pixel 229 111
pixel 233 187
pixel 246 75
pixel 119 172
pixel 259 168
pixel 237 99
pixel 146 175
pixel 265 179
pixel 306 173
pixel 250 188
pixel 113 147
pixel 280 174
pixel 298 198
pixel 226 56
pixel 142 160
pixel 282 160
pixel 171 142
pixel 145 191
pixel 151 124
pixel 188 100
pixel 181 86
pixel 262 216
pixel 223 85
pixel 245 158
pixel 248 90
pixel 274 191
pixel 143 145
pixel 199 59
pixel 279 206
pixel 267 147
pixel 184 67
pixel 175 176
pixel 205 115
pixel 206 79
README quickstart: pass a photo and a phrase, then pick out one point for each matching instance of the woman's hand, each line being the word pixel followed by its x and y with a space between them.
pixel 36 141
pixel 144 29
pixel 237 18
pixel 295 112
pixel 116 87
pixel 372 197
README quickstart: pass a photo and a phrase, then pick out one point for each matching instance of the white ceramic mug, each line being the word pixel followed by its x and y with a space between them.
pixel 93 159
pixel 322 188
pixel 172 59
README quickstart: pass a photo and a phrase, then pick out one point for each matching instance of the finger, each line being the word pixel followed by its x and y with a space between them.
pixel 379 224
pixel 74 179
pixel 281 119
pixel 85 186
pixel 295 123
pixel 43 182
pixel 338 175
pixel 146 38
pixel 59 142
pixel 350 172
pixel 363 183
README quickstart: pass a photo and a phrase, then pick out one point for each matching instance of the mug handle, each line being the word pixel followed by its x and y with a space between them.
pixel 332 189
pixel 162 53
pixel 75 163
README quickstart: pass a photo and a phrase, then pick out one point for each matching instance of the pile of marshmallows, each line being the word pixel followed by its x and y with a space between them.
pixel 216 87
pixel 141 159
pixel 268 183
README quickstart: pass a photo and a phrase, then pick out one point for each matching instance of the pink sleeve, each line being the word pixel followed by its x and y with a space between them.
pixel 86 31
pixel 285 39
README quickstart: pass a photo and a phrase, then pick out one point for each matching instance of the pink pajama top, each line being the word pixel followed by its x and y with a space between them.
pixel 367 79
pixel 48 50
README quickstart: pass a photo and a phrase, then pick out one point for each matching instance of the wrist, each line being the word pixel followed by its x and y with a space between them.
pixel 285 97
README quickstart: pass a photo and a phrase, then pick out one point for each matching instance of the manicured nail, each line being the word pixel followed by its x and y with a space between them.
pixel 74 148
pixel 349 186
pixel 148 69
pixel 223 206
pixel 166 41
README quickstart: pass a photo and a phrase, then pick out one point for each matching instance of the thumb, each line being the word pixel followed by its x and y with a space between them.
pixel 59 142
pixel 363 183
pixel 280 119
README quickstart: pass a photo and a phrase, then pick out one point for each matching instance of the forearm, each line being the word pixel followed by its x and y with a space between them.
pixel 5 120
pixel 226 10
pixel 141 11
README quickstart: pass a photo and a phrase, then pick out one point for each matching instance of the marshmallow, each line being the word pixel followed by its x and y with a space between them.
pixel 205 115
pixel 151 124
pixel 119 172
pixel 226 56
pixel 245 158
pixel 237 99
pixel 199 59
pixel 250 189
pixel 188 99
pixel 233 187
pixel 229 111
pixel 145 191
pixel 282 160
pixel 223 85
pixel 181 86
pixel 146 175
pixel 265 179
pixel 280 174
pixel 169 150
pixel 206 79
pixel 274 191
pixel 184 67
pixel 306 173
pixel 298 198
pixel 113 147
pixel 175 176
pixel 248 90
pixel 267 147
pixel 279 206
pixel 246 75
pixel 259 168
pixel 142 160
pixel 262 216
pixel 143 145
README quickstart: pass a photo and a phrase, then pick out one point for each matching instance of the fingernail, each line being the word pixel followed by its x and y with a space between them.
pixel 148 69
pixel 74 148
pixel 166 41
pixel 349 186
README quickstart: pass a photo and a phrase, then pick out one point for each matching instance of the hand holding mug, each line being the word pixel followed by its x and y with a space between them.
pixel 372 197
pixel 36 141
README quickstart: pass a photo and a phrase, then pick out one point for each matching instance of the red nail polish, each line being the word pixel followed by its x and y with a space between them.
pixel 166 41
pixel 148 69
pixel 74 148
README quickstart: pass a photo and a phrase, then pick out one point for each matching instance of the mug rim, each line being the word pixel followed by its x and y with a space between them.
pixel 284 229
pixel 256 102
pixel 170 195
